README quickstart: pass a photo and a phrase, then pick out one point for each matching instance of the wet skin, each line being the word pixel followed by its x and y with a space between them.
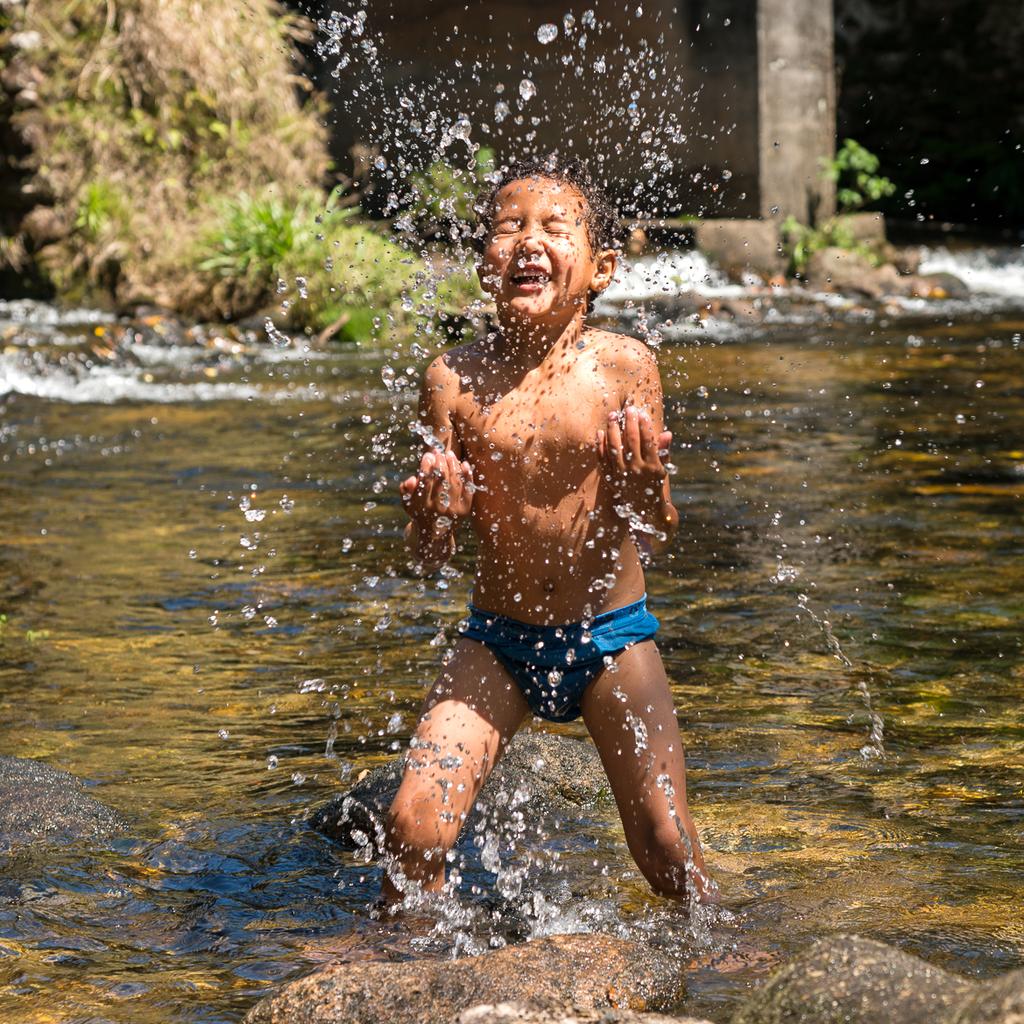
pixel 547 427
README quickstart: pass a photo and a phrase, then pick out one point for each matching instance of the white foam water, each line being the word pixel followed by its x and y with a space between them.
pixel 665 275
pixel 106 385
pixel 988 271
pixel 15 312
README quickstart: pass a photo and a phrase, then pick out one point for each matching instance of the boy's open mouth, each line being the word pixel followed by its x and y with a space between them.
pixel 530 278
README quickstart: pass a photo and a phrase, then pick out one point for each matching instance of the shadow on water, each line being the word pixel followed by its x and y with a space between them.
pixel 207 617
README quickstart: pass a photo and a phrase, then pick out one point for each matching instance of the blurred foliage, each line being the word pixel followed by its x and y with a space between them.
pixel 444 195
pixel 147 117
pixel 854 169
pixel 801 241
pixel 335 272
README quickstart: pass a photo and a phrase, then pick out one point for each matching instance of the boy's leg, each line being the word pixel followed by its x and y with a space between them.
pixel 632 718
pixel 470 715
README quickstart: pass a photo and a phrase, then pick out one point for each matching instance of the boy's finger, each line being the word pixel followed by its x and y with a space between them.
pixel 664 443
pixel 601 451
pixel 467 471
pixel 407 488
pixel 647 445
pixel 427 463
pixel 634 452
pixel 614 442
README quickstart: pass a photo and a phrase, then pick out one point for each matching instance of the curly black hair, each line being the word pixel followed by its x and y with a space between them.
pixel 602 215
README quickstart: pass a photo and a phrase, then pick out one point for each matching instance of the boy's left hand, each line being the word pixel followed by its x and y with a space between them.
pixel 632 455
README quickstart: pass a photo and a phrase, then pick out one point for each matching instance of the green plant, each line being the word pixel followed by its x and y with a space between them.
pixel 341 274
pixel 801 241
pixel 254 236
pixel 100 206
pixel 854 169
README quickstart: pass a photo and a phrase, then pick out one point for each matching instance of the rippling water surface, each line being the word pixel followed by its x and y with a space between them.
pixel 208 618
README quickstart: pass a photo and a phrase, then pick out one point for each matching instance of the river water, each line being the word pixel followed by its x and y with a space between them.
pixel 207 618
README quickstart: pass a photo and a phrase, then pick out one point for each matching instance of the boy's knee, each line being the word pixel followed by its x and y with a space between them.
pixel 419 832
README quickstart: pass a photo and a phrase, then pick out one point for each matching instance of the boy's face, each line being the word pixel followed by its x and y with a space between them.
pixel 537 262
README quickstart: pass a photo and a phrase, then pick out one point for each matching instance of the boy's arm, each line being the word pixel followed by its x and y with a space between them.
pixel 440 493
pixel 636 446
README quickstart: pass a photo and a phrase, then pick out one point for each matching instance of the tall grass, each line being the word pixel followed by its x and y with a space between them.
pixel 153 111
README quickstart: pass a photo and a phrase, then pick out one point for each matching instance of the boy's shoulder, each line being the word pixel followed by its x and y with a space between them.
pixel 452 364
pixel 621 351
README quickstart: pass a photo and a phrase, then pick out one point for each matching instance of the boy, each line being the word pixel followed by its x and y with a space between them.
pixel 553 450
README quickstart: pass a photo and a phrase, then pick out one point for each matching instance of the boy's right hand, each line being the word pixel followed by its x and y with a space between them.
pixel 442 487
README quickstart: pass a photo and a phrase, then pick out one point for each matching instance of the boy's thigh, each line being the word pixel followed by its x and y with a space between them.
pixel 471 713
pixel 632 717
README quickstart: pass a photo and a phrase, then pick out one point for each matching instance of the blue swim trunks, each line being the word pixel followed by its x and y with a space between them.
pixel 553 665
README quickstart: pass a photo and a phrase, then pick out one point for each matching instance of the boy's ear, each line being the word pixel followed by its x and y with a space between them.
pixel 606 262
pixel 487 282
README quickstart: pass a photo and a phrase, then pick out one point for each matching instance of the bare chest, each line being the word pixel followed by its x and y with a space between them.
pixel 542 431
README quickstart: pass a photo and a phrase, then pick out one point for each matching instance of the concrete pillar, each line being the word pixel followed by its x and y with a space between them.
pixel 796 108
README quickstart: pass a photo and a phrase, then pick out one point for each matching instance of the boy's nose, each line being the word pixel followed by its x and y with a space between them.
pixel 530 243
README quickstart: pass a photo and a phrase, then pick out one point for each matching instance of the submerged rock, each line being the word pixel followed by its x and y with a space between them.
pixel 588 971
pixel 38 803
pixel 845 979
pixel 540 778
pixel 534 1012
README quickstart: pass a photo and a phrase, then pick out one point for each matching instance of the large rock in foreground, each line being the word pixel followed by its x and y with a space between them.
pixel 541 778
pixel 40 803
pixel 535 1013
pixel 996 1001
pixel 845 979
pixel 588 971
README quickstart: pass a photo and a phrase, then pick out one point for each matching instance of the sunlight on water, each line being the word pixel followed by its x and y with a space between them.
pixel 199 587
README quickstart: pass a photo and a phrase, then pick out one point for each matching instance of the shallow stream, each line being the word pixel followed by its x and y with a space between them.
pixel 207 617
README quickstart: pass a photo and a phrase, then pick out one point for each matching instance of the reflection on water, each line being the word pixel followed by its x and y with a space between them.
pixel 208 619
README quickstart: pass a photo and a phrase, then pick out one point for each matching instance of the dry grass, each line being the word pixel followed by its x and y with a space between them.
pixel 154 112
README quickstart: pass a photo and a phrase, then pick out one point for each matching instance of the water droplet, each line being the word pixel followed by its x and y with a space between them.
pixel 223 733
pixel 274 336
pixel 726 175
pixel 568 23
pixel 272 762
pixel 547 33
pixel 527 90
pixel 500 111
pixel 924 160
pixel 462 128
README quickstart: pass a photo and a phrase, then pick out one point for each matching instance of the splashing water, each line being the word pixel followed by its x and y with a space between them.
pixel 875 745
